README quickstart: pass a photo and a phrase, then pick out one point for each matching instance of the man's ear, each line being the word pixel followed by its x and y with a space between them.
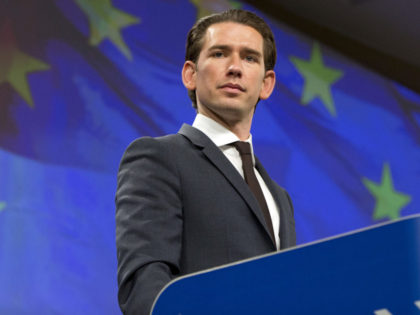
pixel 268 84
pixel 188 75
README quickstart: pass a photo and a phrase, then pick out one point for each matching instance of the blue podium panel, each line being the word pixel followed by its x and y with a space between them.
pixel 374 271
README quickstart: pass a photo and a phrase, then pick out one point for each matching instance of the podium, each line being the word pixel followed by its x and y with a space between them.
pixel 370 271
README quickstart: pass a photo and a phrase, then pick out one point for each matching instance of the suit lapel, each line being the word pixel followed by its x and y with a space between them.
pixel 274 190
pixel 216 156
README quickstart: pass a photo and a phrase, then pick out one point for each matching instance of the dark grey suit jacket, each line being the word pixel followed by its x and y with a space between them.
pixel 183 207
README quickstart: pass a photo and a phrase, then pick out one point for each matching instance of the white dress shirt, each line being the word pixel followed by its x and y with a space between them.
pixel 223 139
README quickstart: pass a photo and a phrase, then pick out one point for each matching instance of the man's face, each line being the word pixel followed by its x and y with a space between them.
pixel 229 75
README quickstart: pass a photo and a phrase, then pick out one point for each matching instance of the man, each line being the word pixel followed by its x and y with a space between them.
pixel 182 202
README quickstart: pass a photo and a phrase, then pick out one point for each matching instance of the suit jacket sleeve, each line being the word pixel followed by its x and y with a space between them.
pixel 148 224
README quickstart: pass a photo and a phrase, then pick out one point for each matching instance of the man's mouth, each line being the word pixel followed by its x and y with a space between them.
pixel 233 87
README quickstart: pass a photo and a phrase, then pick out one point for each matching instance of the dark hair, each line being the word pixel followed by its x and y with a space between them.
pixel 195 37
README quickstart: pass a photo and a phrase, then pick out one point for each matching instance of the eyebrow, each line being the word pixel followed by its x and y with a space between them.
pixel 226 47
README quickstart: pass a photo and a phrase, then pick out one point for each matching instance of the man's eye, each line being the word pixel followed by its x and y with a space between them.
pixel 218 54
pixel 250 58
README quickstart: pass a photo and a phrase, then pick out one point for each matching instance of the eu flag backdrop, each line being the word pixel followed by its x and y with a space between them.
pixel 80 79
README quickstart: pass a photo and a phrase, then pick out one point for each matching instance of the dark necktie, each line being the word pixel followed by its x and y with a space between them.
pixel 244 149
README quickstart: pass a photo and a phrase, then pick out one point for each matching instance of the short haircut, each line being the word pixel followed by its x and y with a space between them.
pixel 197 32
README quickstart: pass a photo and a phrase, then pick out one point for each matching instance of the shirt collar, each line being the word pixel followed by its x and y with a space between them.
pixel 217 133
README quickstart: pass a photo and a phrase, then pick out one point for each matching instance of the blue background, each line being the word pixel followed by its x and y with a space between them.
pixel 60 148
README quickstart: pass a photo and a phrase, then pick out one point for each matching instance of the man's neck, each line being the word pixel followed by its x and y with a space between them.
pixel 240 127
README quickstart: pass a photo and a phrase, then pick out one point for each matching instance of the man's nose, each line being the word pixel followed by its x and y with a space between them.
pixel 235 68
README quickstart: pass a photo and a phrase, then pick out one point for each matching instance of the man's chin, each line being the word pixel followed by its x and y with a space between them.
pixel 233 107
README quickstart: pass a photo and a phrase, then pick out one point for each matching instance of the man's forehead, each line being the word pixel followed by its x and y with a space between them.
pixel 232 33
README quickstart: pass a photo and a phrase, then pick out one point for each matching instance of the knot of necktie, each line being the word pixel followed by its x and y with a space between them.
pixel 243 147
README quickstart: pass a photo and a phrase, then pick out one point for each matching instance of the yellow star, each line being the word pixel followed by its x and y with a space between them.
pixel 15 64
pixel 318 78
pixel 107 22
pixel 207 7
pixel 389 202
